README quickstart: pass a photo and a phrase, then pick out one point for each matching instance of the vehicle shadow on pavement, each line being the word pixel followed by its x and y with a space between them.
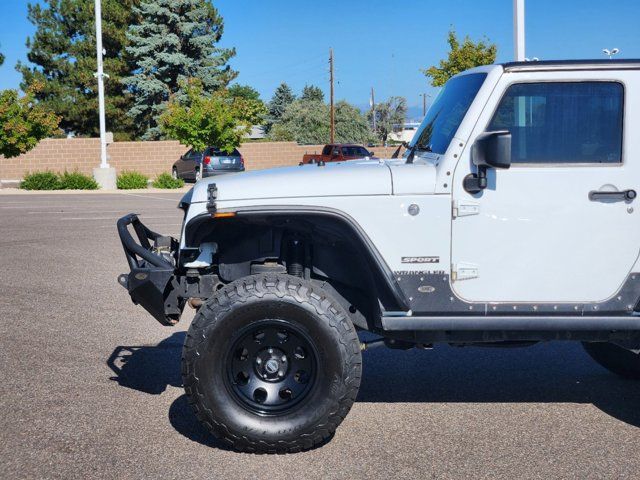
pixel 149 368
pixel 184 420
pixel 553 372
pixel 556 372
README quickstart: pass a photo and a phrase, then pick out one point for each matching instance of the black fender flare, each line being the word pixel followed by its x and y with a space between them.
pixel 381 271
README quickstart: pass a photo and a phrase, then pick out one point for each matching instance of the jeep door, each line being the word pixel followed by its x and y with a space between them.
pixel 556 226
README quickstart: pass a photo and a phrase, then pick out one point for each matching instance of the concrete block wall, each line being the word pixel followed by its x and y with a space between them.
pixel 149 158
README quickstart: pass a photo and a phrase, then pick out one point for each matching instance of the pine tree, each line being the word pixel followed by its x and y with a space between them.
pixel 174 42
pixel 312 93
pixel 63 55
pixel 282 98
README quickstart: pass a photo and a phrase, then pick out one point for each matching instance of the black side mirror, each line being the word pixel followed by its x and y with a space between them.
pixel 490 150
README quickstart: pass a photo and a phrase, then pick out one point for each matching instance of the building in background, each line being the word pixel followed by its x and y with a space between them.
pixel 404 132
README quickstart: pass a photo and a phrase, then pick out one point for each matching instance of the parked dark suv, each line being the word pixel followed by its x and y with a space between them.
pixel 213 161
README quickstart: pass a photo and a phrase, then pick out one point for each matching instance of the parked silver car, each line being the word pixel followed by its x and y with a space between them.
pixel 195 165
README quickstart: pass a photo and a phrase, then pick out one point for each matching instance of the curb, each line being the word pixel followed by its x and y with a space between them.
pixel 17 191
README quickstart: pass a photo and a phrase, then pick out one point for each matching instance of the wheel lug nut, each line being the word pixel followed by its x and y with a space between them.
pixel 281 374
pixel 259 361
pixel 284 358
pixel 270 350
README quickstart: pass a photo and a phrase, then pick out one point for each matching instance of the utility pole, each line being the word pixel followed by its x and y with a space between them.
pixel 333 117
pixel 518 30
pixel 373 109
pixel 104 175
pixel 424 104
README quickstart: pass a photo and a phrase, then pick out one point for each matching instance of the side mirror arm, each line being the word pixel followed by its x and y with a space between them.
pixel 475 182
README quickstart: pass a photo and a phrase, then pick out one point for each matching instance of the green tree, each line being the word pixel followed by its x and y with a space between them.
pixel 62 53
pixel 243 91
pixel 199 120
pixel 23 122
pixel 246 101
pixel 389 116
pixel 461 57
pixel 1 58
pixel 174 41
pixel 312 93
pixel 307 122
pixel 282 98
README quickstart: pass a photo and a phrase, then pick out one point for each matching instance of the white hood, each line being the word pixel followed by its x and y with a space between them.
pixel 357 177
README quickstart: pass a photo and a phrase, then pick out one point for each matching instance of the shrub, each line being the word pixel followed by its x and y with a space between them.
pixel 41 181
pixel 129 180
pixel 164 180
pixel 77 181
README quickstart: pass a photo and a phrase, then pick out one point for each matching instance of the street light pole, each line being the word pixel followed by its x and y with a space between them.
pixel 372 104
pixel 104 175
pixel 610 53
pixel 424 103
pixel 518 30
pixel 100 76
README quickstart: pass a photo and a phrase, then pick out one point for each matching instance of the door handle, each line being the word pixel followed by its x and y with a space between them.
pixel 626 195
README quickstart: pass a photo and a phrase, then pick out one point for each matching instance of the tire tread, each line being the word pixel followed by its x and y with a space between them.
pixel 281 286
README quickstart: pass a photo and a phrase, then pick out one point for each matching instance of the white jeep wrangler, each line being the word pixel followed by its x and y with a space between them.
pixel 510 220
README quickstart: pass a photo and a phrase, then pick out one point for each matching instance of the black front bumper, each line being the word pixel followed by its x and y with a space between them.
pixel 151 281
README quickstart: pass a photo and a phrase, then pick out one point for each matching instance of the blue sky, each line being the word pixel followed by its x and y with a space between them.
pixel 380 44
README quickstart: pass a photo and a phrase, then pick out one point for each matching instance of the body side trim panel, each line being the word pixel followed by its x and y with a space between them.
pixel 430 293
pixel 511 323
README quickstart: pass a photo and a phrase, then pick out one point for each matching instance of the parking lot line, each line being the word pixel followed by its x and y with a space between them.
pixel 106 218
pixel 149 196
pixel 121 211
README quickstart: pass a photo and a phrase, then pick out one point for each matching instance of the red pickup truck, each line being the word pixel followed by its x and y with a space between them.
pixel 338 152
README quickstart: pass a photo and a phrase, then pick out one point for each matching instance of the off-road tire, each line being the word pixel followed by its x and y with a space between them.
pixel 616 359
pixel 241 304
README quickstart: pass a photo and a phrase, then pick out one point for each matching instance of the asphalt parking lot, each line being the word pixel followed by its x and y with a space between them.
pixel 90 383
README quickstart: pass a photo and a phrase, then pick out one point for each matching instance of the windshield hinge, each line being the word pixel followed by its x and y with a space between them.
pixel 464 208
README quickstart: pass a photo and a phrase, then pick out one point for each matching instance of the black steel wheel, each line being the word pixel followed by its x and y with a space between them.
pixel 271 363
pixel 271 367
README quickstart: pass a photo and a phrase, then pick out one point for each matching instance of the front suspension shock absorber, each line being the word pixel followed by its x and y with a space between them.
pixel 295 265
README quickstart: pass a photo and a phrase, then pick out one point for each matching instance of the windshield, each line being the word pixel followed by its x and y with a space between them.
pixel 355 152
pixel 446 113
